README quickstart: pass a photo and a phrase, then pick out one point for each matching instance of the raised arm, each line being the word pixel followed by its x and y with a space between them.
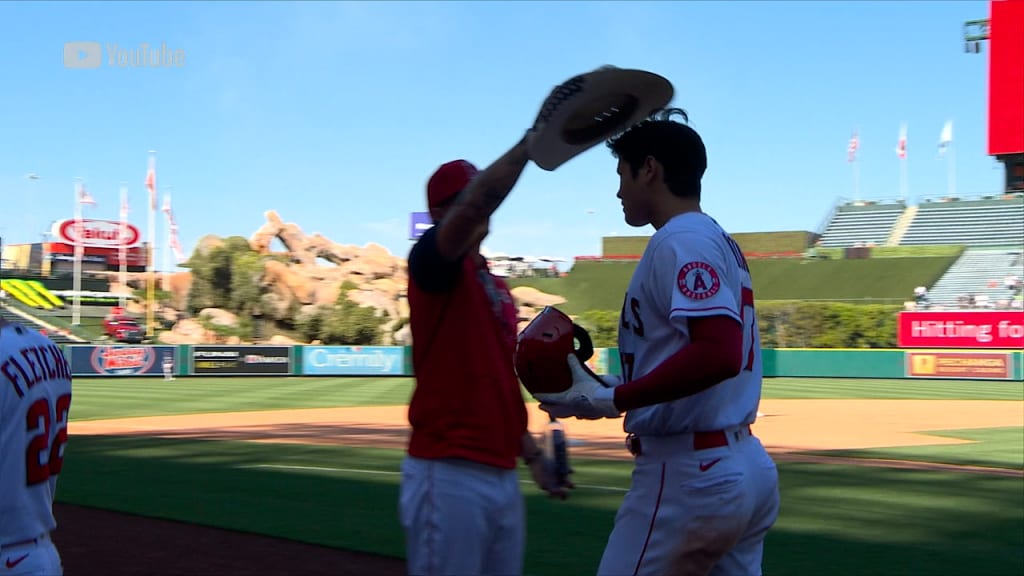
pixel 466 222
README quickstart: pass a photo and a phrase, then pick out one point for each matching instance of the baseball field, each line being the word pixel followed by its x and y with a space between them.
pixel 300 475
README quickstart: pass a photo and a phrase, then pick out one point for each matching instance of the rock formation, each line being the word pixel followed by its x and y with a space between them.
pixel 311 274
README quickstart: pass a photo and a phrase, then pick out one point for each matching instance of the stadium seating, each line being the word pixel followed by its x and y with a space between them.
pixel 55 336
pixel 861 223
pixel 979 271
pixel 967 223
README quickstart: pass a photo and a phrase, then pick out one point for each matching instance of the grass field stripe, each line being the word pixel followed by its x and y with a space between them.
pixel 393 473
pixel 323 469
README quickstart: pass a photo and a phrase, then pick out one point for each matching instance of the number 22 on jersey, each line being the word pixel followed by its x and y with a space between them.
pixel 43 459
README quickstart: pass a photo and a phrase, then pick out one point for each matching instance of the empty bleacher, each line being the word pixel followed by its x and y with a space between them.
pixel 979 272
pixel 861 223
pixel 989 222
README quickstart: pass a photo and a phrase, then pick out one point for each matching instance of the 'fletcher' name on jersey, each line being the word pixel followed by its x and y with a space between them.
pixel 38 364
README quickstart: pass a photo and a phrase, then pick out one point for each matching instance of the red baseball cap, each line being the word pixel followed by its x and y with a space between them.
pixel 447 181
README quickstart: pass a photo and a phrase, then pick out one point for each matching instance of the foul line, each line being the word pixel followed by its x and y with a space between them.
pixel 393 473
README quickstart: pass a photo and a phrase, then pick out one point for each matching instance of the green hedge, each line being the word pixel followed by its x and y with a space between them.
pixel 791 324
pixel 798 324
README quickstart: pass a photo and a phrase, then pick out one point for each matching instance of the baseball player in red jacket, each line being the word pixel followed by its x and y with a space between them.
pixel 460 503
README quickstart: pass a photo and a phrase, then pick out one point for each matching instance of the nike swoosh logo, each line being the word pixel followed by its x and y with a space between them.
pixel 12 563
pixel 705 466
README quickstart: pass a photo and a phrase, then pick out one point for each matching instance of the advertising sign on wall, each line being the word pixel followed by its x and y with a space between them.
pixel 961 329
pixel 353 360
pixel 85 258
pixel 599 361
pixel 118 360
pixel 420 222
pixel 965 365
pixel 240 360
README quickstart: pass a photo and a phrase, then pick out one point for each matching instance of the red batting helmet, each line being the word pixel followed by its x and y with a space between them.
pixel 542 348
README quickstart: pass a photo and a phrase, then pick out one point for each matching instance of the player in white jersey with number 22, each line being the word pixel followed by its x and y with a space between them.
pixel 35 398
pixel 704 490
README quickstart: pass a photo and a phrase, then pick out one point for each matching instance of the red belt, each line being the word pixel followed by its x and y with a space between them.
pixel 21 543
pixel 701 441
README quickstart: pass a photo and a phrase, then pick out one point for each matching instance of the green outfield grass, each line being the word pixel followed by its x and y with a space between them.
pixel 100 398
pixel 836 520
pixel 994 447
pixel 839 388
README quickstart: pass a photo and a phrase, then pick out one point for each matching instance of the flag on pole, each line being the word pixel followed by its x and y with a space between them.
pixel 946 137
pixel 172 226
pixel 151 183
pixel 85 198
pixel 175 244
pixel 851 149
pixel 901 147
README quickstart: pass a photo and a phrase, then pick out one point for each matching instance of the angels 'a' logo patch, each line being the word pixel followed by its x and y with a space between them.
pixel 698 280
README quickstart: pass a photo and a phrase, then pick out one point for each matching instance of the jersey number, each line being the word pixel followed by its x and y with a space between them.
pixel 634 309
pixel 626 359
pixel 37 421
pixel 747 298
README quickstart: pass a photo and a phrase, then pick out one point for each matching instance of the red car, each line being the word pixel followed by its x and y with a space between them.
pixel 123 329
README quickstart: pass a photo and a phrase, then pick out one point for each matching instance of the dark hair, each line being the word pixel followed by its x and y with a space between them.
pixel 675 145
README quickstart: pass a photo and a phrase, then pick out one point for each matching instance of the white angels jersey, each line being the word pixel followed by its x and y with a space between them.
pixel 35 397
pixel 691 268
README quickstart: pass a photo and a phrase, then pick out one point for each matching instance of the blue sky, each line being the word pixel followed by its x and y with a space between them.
pixel 335 114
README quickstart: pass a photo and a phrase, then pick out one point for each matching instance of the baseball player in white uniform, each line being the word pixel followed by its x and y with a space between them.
pixel 168 365
pixel 35 398
pixel 704 491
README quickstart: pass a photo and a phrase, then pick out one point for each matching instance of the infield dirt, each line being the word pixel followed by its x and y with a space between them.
pixel 784 426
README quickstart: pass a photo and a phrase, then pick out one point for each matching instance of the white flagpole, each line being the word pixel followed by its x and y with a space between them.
pixel 167 242
pixel 903 179
pixel 852 148
pixel 946 150
pixel 123 248
pixel 151 257
pixel 76 307
pixel 952 170
pixel 856 179
pixel 901 151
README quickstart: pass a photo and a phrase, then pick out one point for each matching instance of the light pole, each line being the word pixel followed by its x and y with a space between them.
pixel 32 177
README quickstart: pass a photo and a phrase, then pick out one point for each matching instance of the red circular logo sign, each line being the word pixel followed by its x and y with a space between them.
pixel 698 281
pixel 122 360
pixel 98 233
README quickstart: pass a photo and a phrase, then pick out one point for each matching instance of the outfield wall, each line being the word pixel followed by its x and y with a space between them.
pixel 308 360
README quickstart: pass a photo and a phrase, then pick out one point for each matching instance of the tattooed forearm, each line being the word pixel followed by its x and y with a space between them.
pixel 466 223
pixel 489 190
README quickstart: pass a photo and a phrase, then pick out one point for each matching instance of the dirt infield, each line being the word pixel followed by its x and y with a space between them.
pixel 787 427
pixel 784 425
pixel 92 541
